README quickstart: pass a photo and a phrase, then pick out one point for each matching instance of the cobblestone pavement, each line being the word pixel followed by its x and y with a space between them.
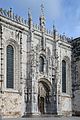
pixel 43 118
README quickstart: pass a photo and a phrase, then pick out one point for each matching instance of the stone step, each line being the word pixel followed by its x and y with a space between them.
pixel 41 115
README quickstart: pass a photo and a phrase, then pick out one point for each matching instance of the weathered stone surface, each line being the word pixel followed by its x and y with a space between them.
pixel 76 76
pixel 11 104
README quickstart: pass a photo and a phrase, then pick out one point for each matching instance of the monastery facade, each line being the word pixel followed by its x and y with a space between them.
pixel 35 68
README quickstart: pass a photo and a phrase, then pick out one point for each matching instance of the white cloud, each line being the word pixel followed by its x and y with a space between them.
pixel 54 8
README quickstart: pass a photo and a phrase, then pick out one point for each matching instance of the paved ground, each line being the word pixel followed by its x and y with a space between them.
pixel 44 118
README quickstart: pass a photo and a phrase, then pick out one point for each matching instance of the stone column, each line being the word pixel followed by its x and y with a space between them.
pixel 1 58
pixel 1 71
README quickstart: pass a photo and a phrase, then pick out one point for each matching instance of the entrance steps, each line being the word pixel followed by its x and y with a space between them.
pixel 41 115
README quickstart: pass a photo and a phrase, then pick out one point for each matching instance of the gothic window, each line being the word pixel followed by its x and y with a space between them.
pixel 63 76
pixel 41 64
pixel 10 66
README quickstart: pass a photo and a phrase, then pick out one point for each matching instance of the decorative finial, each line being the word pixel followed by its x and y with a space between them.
pixel 10 12
pixel 53 25
pixel 10 9
pixel 42 19
pixel 29 18
pixel 54 31
pixel 63 33
pixel 29 13
pixel 42 9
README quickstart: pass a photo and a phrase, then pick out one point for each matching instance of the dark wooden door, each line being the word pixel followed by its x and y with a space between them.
pixel 41 105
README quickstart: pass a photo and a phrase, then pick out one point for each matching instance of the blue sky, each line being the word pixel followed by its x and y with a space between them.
pixel 65 14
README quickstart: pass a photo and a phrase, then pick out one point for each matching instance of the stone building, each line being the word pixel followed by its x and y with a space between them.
pixel 35 68
pixel 76 76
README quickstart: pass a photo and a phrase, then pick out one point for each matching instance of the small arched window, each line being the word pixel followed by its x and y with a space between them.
pixel 63 76
pixel 10 67
pixel 41 68
pixel 42 43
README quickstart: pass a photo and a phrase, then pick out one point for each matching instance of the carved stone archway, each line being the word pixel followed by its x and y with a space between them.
pixel 44 89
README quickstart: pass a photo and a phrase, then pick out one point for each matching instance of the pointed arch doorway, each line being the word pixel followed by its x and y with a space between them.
pixel 43 95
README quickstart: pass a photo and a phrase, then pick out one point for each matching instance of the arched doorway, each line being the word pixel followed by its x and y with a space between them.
pixel 41 104
pixel 43 96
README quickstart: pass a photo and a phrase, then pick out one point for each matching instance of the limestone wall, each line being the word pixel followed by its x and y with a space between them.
pixel 76 103
pixel 10 104
pixel 66 105
pixel 11 100
pixel 76 76
pixel 64 99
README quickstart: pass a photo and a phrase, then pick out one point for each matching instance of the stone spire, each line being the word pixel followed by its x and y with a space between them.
pixel 29 19
pixel 42 19
pixel 54 32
